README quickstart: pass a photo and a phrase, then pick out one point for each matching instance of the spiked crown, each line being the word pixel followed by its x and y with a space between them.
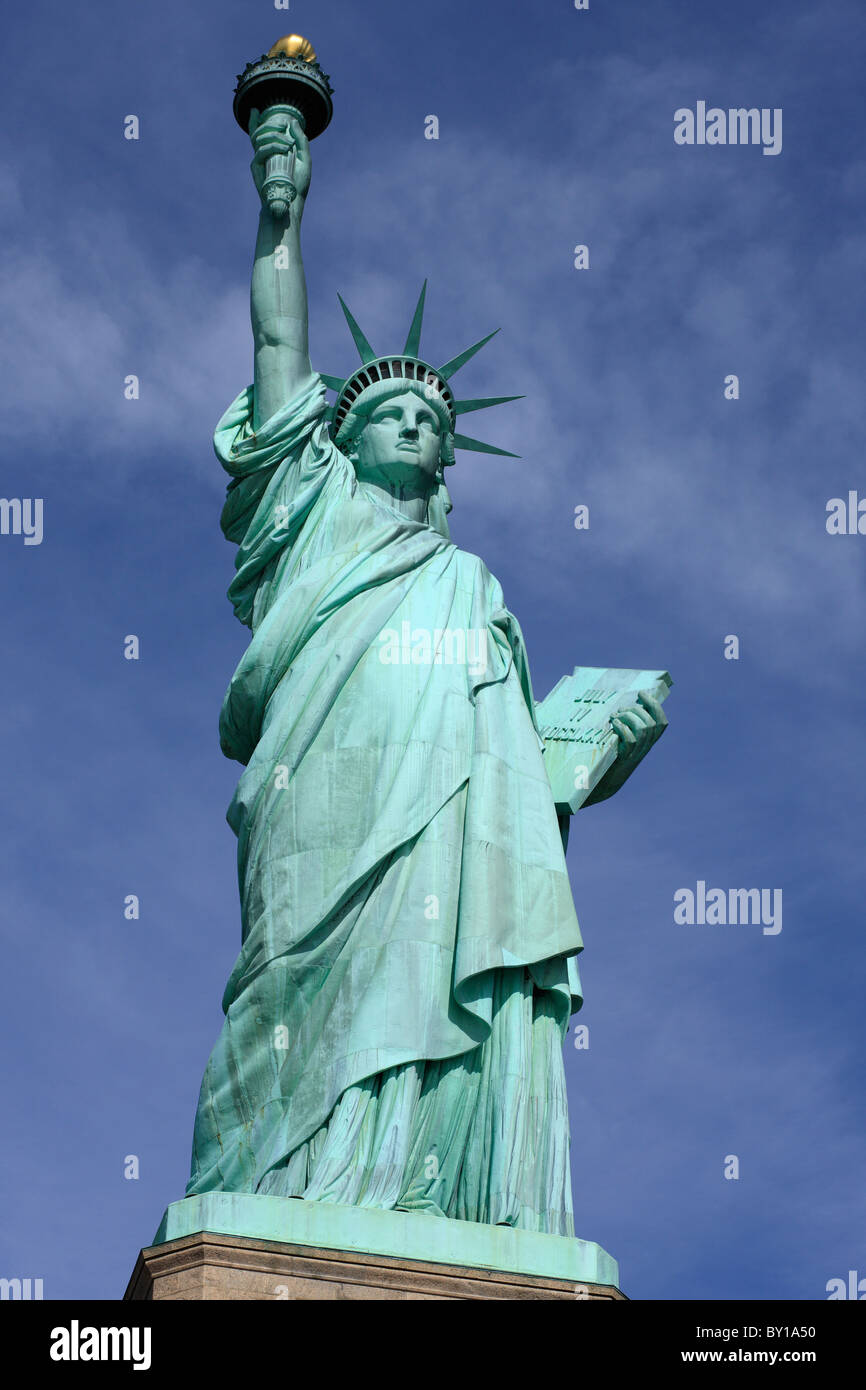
pixel 409 367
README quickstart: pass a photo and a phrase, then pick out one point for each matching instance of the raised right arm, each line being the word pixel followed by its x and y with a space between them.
pixel 278 292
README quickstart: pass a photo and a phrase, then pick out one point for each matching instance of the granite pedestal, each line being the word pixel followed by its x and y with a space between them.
pixel 226 1246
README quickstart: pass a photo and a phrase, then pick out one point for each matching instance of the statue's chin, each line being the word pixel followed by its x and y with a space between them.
pixel 406 472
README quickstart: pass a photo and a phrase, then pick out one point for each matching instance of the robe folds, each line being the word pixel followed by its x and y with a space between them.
pixel 394 1021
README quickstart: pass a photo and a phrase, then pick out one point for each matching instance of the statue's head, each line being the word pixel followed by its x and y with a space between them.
pixel 398 432
pixel 396 417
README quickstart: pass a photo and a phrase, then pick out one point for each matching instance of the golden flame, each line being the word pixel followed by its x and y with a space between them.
pixel 293 46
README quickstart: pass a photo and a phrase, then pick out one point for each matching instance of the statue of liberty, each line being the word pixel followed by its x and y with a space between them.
pixel 395 1020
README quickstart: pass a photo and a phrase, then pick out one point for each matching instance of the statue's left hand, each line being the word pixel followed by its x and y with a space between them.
pixel 638 727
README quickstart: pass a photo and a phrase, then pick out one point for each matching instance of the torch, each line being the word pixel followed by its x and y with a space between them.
pixel 286 80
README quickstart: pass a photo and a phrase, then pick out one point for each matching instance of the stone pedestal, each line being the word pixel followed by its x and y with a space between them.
pixel 238 1246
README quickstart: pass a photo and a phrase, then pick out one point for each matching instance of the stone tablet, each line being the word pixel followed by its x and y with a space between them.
pixel 574 722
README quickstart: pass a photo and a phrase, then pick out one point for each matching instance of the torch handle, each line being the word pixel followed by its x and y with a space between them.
pixel 278 189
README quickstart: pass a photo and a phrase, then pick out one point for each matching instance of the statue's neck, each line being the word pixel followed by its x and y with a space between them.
pixel 411 502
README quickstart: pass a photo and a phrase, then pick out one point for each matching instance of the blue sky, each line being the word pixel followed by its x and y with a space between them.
pixel 707 518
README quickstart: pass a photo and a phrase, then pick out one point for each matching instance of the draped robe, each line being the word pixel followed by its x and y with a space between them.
pixel 395 1019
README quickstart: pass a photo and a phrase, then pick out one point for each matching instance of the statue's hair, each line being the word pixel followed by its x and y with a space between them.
pixel 380 391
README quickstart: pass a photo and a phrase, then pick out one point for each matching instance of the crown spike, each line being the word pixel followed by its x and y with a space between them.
pixel 457 362
pixel 463 407
pixel 463 441
pixel 413 338
pixel 336 383
pixel 367 353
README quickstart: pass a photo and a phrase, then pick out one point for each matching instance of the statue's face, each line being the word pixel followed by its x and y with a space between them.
pixel 399 443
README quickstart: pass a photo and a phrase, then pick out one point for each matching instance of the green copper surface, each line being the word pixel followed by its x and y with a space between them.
pixel 392 1046
pixel 403 1235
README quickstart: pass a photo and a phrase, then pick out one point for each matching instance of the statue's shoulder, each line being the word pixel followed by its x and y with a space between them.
pixel 476 573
